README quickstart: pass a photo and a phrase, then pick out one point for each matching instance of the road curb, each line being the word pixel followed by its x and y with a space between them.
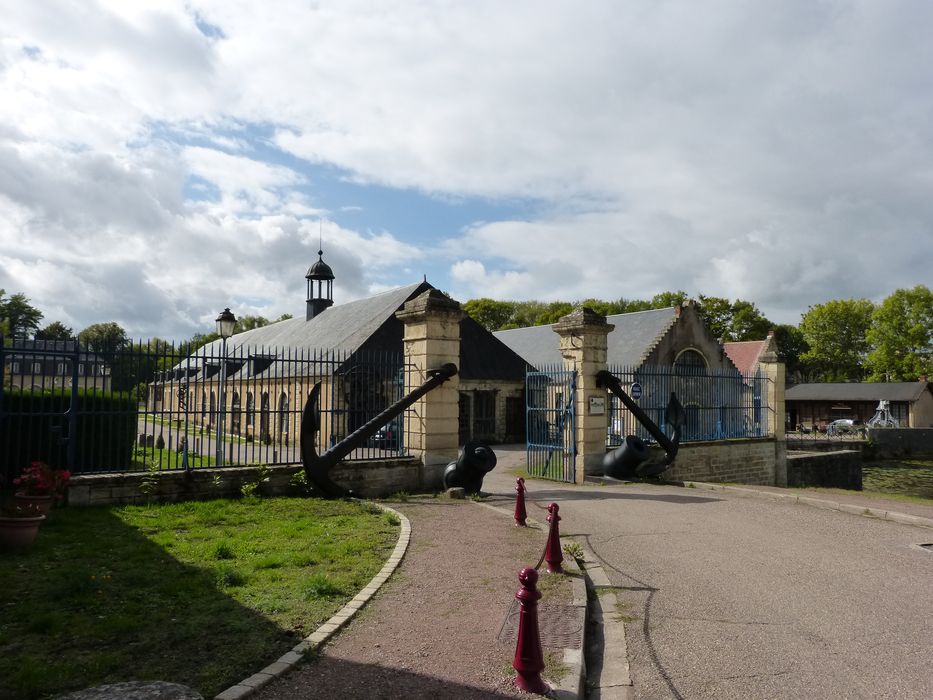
pixel 322 634
pixel 851 508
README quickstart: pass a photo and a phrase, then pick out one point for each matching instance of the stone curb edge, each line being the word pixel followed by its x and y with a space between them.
pixel 852 508
pixel 322 634
pixel 572 685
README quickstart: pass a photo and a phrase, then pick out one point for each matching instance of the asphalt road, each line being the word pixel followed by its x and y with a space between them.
pixel 731 597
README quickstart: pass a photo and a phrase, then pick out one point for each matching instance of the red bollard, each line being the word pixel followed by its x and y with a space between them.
pixel 529 660
pixel 520 513
pixel 552 553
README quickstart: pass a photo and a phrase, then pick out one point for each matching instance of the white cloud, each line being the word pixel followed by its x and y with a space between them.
pixel 774 152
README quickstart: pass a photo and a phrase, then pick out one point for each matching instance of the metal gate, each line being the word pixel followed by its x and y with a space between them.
pixel 551 447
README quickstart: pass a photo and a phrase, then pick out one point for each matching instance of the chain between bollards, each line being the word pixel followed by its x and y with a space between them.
pixel 529 659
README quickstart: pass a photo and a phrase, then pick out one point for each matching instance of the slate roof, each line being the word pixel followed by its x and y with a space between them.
pixel 744 354
pixel 364 324
pixel 631 341
pixel 854 391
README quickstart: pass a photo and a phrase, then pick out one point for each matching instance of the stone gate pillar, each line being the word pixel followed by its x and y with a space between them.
pixel 583 342
pixel 432 338
pixel 774 369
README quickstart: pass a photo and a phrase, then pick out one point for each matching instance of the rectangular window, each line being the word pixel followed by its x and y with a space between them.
pixel 81 368
pixel 15 368
pixel 484 414
pixel 61 367
pixel 37 368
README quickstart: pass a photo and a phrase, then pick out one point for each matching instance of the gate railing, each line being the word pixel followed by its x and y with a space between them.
pixel 158 406
pixel 718 405
pixel 551 422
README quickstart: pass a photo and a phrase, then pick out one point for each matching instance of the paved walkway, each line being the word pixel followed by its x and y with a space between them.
pixel 731 596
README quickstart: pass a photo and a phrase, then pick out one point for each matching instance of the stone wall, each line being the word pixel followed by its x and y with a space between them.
pixel 369 479
pixel 825 445
pixel 841 469
pixel 750 461
pixel 897 443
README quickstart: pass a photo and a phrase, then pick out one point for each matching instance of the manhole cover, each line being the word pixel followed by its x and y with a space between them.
pixel 560 626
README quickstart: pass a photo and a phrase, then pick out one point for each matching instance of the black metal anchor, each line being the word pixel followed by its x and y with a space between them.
pixel 630 459
pixel 318 467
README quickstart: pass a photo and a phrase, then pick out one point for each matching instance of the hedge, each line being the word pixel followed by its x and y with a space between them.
pixel 32 424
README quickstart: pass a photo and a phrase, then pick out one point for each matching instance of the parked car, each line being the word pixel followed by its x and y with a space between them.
pixel 845 426
pixel 388 437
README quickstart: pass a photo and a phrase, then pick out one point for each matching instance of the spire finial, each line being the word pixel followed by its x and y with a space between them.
pixel 320 237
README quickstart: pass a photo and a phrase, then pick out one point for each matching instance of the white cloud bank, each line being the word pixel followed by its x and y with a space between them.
pixel 778 152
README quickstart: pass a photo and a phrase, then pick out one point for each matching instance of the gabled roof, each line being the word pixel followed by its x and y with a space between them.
pixel 855 391
pixel 745 354
pixel 631 341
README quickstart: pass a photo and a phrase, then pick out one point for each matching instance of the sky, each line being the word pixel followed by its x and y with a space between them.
pixel 161 161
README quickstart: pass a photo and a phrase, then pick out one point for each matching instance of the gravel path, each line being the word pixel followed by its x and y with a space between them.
pixel 432 630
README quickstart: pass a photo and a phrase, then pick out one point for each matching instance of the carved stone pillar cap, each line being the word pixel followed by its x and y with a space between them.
pixel 583 318
pixel 432 301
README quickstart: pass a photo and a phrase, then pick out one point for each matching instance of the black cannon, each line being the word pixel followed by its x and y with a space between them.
pixel 473 463
pixel 630 459
pixel 317 467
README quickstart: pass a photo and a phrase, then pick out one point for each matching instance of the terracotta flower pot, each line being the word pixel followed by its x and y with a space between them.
pixel 40 504
pixel 19 533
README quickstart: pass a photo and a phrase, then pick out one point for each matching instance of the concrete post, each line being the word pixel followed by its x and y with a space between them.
pixel 583 342
pixel 774 369
pixel 432 338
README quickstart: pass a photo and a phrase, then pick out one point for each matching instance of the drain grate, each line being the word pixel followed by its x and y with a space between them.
pixel 560 626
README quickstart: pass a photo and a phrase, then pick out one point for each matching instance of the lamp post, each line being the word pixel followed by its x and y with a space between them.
pixel 225 323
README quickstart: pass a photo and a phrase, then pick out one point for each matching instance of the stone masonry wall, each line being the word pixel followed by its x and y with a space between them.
pixel 368 479
pixel 841 469
pixel 741 461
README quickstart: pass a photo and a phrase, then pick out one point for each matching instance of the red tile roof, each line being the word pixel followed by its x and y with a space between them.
pixel 745 354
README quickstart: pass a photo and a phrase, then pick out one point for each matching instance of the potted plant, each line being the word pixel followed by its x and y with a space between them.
pixel 39 486
pixel 19 524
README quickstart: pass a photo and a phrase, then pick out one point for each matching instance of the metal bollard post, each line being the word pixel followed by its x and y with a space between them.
pixel 520 514
pixel 552 553
pixel 529 659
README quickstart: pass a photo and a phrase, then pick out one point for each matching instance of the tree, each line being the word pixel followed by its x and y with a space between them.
pixel 665 300
pixel 56 330
pixel 103 338
pixel 20 317
pixel 248 323
pixel 490 314
pixel 791 346
pixel 731 321
pixel 901 336
pixel 836 333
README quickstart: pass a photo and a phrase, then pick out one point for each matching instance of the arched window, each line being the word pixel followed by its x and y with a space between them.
pixel 235 413
pixel 213 411
pixel 264 417
pixel 283 414
pixel 690 363
pixel 250 408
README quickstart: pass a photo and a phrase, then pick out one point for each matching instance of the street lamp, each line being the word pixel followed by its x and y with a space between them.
pixel 225 323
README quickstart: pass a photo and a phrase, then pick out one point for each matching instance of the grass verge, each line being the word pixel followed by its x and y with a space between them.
pixel 201 593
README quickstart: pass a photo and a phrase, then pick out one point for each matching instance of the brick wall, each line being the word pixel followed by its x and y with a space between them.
pixel 741 461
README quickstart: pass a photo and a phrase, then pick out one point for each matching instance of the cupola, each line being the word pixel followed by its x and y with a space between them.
pixel 320 296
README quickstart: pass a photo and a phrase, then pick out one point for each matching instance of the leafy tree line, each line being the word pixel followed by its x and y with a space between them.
pixel 839 340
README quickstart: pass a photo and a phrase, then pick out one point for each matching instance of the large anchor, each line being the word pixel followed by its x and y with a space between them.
pixel 318 467
pixel 630 460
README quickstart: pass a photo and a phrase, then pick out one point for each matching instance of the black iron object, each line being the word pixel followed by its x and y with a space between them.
pixel 473 463
pixel 630 459
pixel 317 467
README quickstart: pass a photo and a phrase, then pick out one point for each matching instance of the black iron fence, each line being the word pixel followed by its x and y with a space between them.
pixel 160 406
pixel 718 405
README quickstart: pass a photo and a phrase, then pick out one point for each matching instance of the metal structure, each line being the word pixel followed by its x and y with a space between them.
pixel 550 400
pixel 630 459
pixel 155 405
pixel 883 417
pixel 317 467
pixel 717 405
pixel 474 462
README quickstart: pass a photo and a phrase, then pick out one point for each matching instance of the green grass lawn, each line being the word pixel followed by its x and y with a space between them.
pixel 905 477
pixel 200 593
